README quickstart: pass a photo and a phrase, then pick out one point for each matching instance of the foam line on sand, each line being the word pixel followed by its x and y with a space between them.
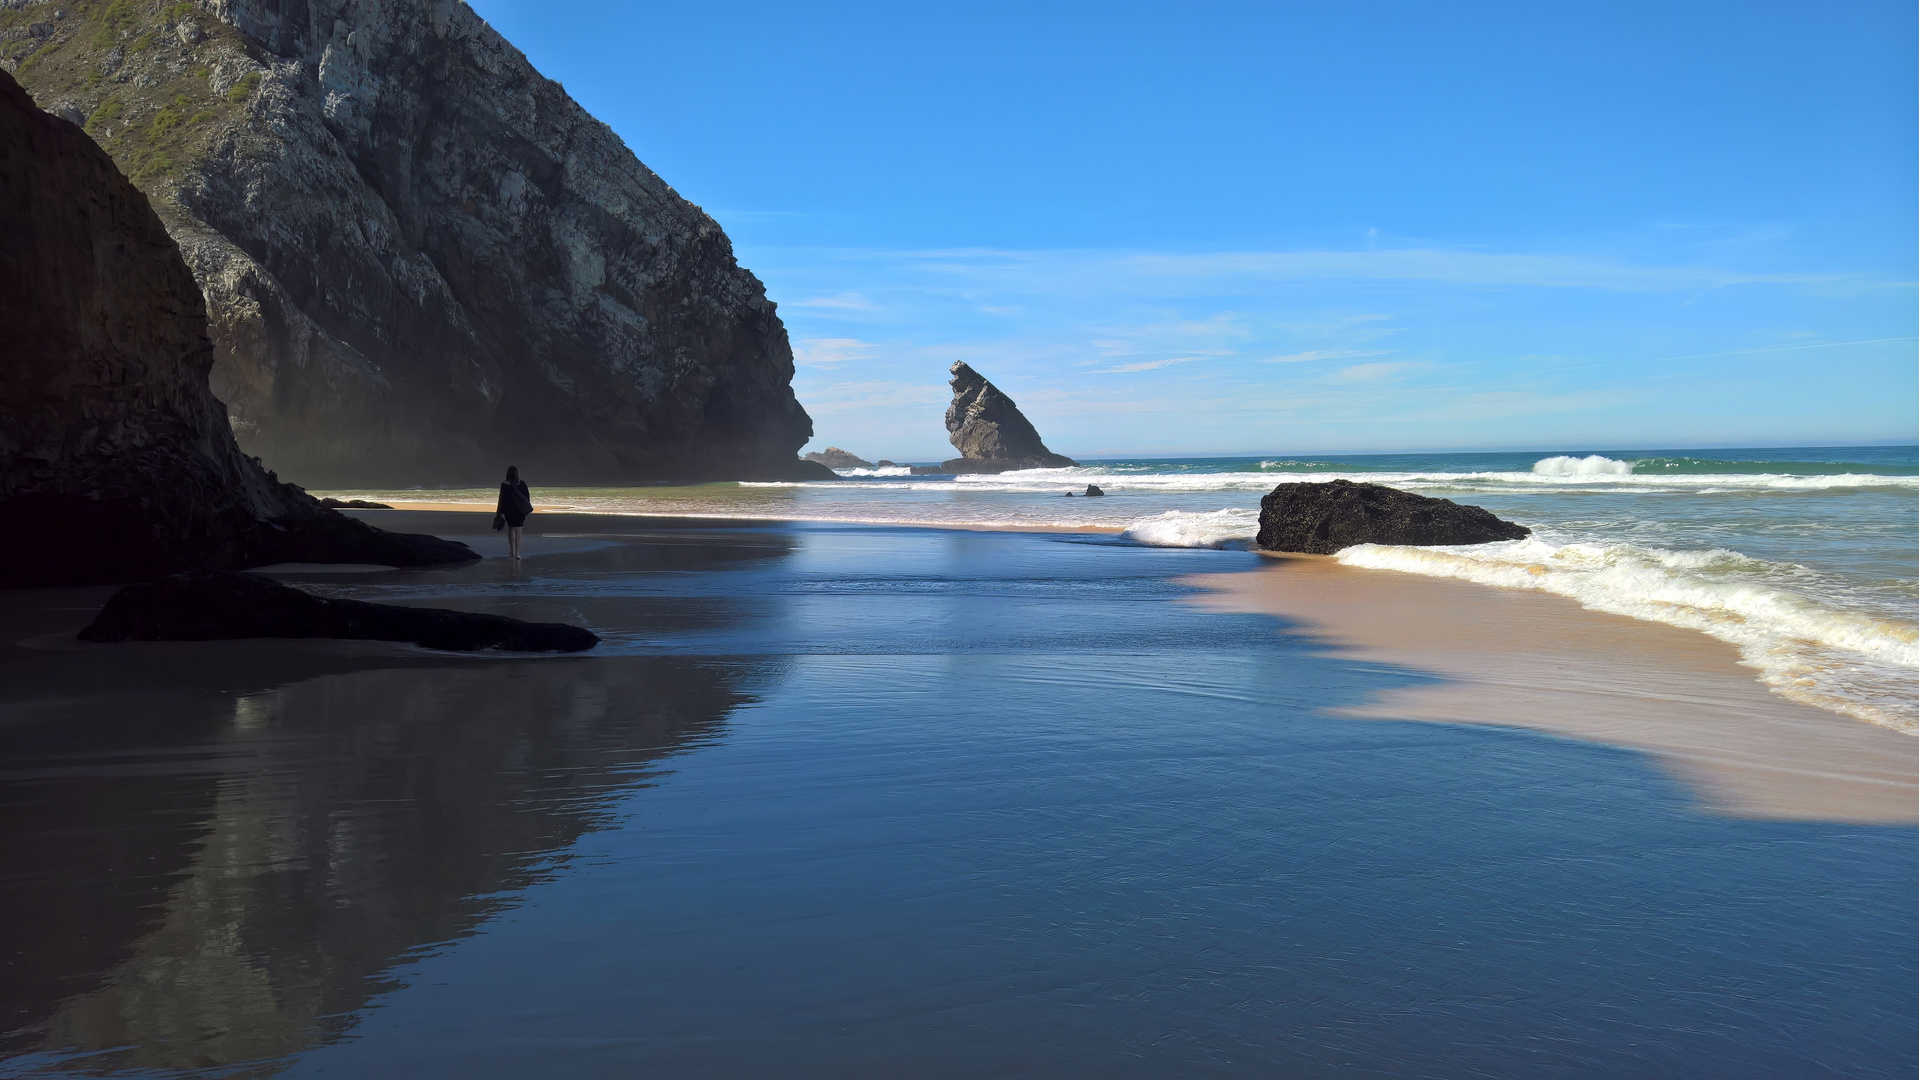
pixel 1539 661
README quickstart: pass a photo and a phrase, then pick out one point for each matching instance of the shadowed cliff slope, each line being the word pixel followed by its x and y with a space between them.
pixel 116 463
pixel 422 259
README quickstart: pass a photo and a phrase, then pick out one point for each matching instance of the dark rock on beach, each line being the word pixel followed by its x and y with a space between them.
pixel 116 462
pixel 1093 491
pixel 218 605
pixel 834 458
pixel 1320 519
pixel 990 432
pixel 353 504
pixel 422 259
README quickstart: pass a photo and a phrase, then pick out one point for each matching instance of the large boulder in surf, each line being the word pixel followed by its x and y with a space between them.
pixel 221 605
pixel 1320 519
pixel 422 259
pixel 834 458
pixel 990 432
pixel 116 461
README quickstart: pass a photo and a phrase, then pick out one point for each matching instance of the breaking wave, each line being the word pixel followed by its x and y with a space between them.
pixel 1555 474
pixel 1590 465
pixel 1828 612
pixel 1217 529
pixel 1848 661
pixel 887 470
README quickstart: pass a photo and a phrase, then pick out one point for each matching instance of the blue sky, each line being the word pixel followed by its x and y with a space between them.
pixel 1217 228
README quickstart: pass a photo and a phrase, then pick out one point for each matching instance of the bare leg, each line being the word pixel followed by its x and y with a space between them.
pixel 513 540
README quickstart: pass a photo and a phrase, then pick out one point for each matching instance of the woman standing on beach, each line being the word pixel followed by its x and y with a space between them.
pixel 516 502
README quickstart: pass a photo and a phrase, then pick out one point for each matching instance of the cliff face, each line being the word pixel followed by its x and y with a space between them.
pixel 422 260
pixel 990 432
pixel 116 462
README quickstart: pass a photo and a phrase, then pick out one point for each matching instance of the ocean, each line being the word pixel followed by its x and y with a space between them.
pixel 1803 558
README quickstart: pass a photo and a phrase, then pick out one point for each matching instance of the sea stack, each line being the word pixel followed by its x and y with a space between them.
pixel 1320 519
pixel 116 461
pixel 990 432
pixel 422 259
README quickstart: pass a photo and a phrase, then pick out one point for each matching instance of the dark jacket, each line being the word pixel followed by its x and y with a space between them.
pixel 516 502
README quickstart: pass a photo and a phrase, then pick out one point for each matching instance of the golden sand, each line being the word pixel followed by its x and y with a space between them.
pixel 1538 661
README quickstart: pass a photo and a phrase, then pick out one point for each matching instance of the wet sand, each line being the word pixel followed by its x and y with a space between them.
pixel 842 800
pixel 556 517
pixel 1537 661
pixel 1504 657
pixel 445 507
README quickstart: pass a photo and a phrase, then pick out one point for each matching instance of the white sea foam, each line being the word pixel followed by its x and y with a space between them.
pixel 1217 529
pixel 887 470
pixel 1591 465
pixel 1839 632
pixel 1115 481
pixel 1848 661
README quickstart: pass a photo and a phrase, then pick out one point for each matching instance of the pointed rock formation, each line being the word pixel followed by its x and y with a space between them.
pixel 116 461
pixel 422 259
pixel 990 432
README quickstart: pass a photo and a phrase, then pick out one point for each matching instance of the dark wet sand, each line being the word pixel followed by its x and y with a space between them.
pixel 838 801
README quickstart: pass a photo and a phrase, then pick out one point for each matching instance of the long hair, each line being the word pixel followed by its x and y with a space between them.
pixel 512 474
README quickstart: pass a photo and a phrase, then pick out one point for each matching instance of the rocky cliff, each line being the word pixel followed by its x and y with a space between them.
pixel 422 259
pixel 990 432
pixel 116 462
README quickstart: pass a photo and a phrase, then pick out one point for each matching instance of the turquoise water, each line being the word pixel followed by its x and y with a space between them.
pixel 1806 559
pixel 842 800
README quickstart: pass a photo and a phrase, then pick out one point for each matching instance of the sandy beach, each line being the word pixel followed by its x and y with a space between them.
pixel 1538 661
pixel 558 514
pixel 851 796
pixel 1504 657
pixel 905 660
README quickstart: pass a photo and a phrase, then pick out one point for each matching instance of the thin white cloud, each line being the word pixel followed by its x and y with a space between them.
pixel 875 394
pixel 831 352
pixel 1324 354
pixel 1466 268
pixel 846 301
pixel 1785 348
pixel 1103 270
pixel 1372 373
pixel 1147 365
pixel 1502 337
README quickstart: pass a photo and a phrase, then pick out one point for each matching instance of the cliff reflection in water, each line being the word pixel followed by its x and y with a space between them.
pixel 346 823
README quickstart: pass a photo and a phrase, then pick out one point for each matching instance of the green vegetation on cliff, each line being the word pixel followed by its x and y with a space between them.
pixel 150 80
pixel 420 258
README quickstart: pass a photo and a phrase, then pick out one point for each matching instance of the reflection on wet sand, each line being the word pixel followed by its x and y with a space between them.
pixel 217 871
pixel 948 785
pixel 1539 661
